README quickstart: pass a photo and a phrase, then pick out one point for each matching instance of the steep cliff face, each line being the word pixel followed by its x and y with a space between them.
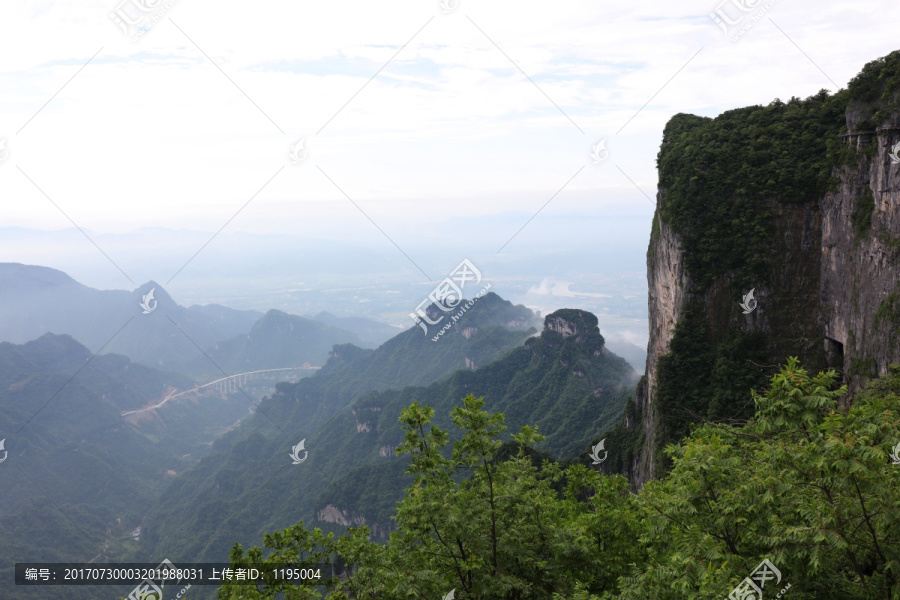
pixel 795 201
pixel 668 285
pixel 860 251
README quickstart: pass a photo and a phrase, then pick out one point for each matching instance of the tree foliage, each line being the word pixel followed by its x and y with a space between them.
pixel 806 484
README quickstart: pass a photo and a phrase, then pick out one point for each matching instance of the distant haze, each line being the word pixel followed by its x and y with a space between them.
pixel 593 264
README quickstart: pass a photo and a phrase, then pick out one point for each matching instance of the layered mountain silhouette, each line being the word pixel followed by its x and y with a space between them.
pixel 564 380
pixel 150 328
pixel 277 340
pixel 243 488
pixel 372 333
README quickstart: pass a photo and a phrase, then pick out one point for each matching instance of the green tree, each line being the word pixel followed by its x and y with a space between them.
pixel 806 485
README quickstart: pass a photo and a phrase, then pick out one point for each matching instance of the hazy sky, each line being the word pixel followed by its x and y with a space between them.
pixel 431 132
pixel 489 108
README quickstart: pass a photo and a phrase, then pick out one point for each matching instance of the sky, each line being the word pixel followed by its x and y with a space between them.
pixel 391 124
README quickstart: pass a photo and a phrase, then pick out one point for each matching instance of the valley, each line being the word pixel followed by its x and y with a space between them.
pixel 454 341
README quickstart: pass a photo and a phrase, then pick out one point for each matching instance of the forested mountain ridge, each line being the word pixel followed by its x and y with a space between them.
pixel 565 382
pixel 243 488
pixel 277 340
pixel 776 233
pixel 372 333
pixel 77 479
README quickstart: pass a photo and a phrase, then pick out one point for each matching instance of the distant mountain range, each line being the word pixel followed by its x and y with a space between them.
pixel 150 328
pixel 132 350
pixel 565 381
pixel 277 340
pixel 243 488
pixel 372 333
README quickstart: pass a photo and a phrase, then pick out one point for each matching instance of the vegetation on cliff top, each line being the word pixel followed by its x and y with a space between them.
pixel 877 84
pixel 719 176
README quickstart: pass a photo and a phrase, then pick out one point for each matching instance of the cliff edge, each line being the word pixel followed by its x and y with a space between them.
pixel 776 234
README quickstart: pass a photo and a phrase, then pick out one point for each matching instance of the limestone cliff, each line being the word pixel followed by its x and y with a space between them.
pixel 798 202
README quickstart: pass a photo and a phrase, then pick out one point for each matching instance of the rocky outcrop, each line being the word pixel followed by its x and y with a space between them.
pixel 829 290
pixel 860 259
pixel 364 426
pixel 387 451
pixel 572 322
pixel 668 285
pixel 333 514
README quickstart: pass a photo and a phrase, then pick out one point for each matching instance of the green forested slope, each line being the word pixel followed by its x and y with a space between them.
pixel 570 387
pixel 248 485
pixel 807 485
pixel 77 479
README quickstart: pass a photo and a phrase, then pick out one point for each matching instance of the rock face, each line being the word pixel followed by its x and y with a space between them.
pixel 569 321
pixel 859 271
pixel 829 292
pixel 668 286
pixel 333 514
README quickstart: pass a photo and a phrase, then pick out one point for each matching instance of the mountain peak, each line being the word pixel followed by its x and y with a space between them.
pixel 159 293
pixel 571 321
